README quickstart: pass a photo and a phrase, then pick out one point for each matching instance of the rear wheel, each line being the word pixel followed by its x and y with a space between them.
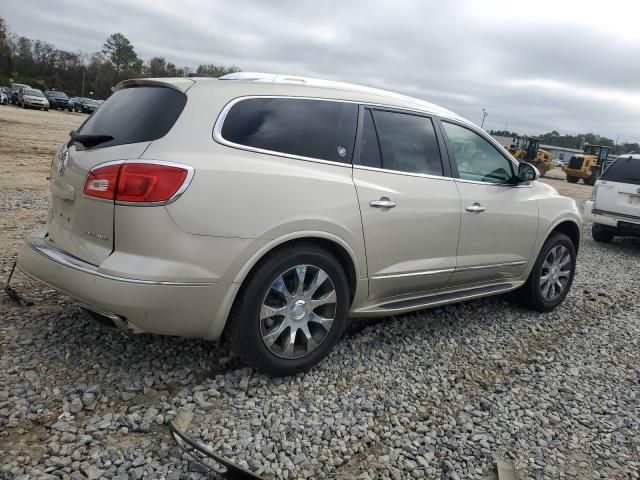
pixel 601 233
pixel 291 311
pixel 572 179
pixel 552 275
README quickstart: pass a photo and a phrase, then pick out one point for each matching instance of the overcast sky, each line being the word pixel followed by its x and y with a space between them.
pixel 535 66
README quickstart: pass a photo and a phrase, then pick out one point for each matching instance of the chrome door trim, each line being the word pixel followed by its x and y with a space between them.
pixel 510 185
pixel 400 172
pixel 413 274
pixel 492 265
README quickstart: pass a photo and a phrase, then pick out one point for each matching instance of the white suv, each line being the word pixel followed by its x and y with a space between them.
pixel 614 207
pixel 271 208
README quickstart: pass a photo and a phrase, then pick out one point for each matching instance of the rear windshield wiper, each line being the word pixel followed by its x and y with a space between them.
pixel 89 140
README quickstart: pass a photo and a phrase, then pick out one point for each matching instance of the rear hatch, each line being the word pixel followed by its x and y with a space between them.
pixel 122 128
pixel 619 188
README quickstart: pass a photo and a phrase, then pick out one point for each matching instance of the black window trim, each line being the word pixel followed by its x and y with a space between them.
pixel 499 148
pixel 444 158
pixel 217 129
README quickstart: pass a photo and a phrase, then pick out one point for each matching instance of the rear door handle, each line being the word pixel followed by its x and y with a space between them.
pixel 475 208
pixel 384 202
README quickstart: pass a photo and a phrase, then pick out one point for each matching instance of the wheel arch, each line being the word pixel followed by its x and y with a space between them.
pixel 333 244
pixel 570 228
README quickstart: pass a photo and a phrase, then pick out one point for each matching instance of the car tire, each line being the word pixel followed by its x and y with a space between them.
pixel 261 336
pixel 601 233
pixel 46 109
pixel 572 179
pixel 593 178
pixel 534 294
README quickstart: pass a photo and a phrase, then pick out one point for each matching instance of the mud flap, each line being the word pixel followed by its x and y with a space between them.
pixel 179 427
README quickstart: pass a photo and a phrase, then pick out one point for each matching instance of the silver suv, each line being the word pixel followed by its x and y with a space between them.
pixel 270 208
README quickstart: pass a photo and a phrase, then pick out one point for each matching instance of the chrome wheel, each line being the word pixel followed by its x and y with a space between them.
pixel 298 311
pixel 555 273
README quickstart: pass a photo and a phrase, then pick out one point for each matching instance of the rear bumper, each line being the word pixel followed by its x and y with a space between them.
pixel 168 308
pixel 610 219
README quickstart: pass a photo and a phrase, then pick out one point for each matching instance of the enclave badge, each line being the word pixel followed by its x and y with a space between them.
pixel 62 164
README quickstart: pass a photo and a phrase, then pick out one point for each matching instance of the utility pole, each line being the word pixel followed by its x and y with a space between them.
pixel 82 94
pixel 615 144
pixel 484 115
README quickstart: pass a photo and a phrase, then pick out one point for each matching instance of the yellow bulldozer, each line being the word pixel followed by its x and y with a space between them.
pixel 587 166
pixel 527 149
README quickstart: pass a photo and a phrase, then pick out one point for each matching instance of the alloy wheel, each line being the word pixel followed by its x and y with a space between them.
pixel 555 273
pixel 298 311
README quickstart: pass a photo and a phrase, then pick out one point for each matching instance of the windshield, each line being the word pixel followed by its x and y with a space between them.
pixel 58 94
pixel 33 93
pixel 18 86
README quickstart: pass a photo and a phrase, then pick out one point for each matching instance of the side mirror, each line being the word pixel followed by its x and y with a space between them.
pixel 527 172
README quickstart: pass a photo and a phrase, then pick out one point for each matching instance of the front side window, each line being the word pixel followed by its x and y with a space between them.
pixel 476 158
pixel 319 129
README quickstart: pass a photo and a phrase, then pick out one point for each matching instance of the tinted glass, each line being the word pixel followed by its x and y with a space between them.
pixel 408 143
pixel 476 158
pixel 301 127
pixel 623 170
pixel 369 150
pixel 138 114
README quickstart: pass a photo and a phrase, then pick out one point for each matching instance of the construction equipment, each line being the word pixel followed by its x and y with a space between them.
pixel 587 166
pixel 527 149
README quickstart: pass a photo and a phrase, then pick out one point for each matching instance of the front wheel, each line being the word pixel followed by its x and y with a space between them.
pixel 291 311
pixel 552 275
pixel 572 179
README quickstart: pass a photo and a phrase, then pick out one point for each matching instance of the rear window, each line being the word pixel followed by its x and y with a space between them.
pixel 137 114
pixel 623 170
pixel 318 129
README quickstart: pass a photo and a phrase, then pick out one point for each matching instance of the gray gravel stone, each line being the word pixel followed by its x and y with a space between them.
pixel 435 394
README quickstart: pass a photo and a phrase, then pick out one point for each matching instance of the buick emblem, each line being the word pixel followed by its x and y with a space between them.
pixel 62 163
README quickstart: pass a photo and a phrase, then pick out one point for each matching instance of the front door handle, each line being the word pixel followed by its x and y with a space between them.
pixel 384 202
pixel 475 208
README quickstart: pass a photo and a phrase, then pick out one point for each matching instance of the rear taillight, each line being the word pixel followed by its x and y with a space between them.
pixel 136 182
pixel 101 182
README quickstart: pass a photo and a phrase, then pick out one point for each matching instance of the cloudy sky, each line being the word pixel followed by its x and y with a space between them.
pixel 536 66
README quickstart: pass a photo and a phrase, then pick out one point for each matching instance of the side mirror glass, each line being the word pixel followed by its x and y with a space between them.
pixel 527 172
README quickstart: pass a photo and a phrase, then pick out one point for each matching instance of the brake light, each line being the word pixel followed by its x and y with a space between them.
pixel 136 182
pixel 101 182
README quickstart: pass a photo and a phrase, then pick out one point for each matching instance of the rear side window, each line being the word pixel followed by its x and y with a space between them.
pixel 137 114
pixel 623 170
pixel 408 143
pixel 401 142
pixel 318 129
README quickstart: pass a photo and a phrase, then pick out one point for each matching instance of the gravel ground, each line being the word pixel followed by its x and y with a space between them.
pixel 436 394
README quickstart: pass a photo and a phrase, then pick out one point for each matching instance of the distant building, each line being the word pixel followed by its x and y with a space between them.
pixel 563 154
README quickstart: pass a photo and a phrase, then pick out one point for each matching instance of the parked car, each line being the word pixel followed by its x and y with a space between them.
pixel 88 105
pixel 33 98
pixel 4 100
pixel 57 99
pixel 6 91
pixel 311 201
pixel 15 92
pixel 614 207
pixel 74 104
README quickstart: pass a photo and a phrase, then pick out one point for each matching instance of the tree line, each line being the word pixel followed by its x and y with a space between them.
pixel 576 141
pixel 42 65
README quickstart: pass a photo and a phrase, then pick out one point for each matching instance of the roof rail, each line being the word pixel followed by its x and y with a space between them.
pixel 317 82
